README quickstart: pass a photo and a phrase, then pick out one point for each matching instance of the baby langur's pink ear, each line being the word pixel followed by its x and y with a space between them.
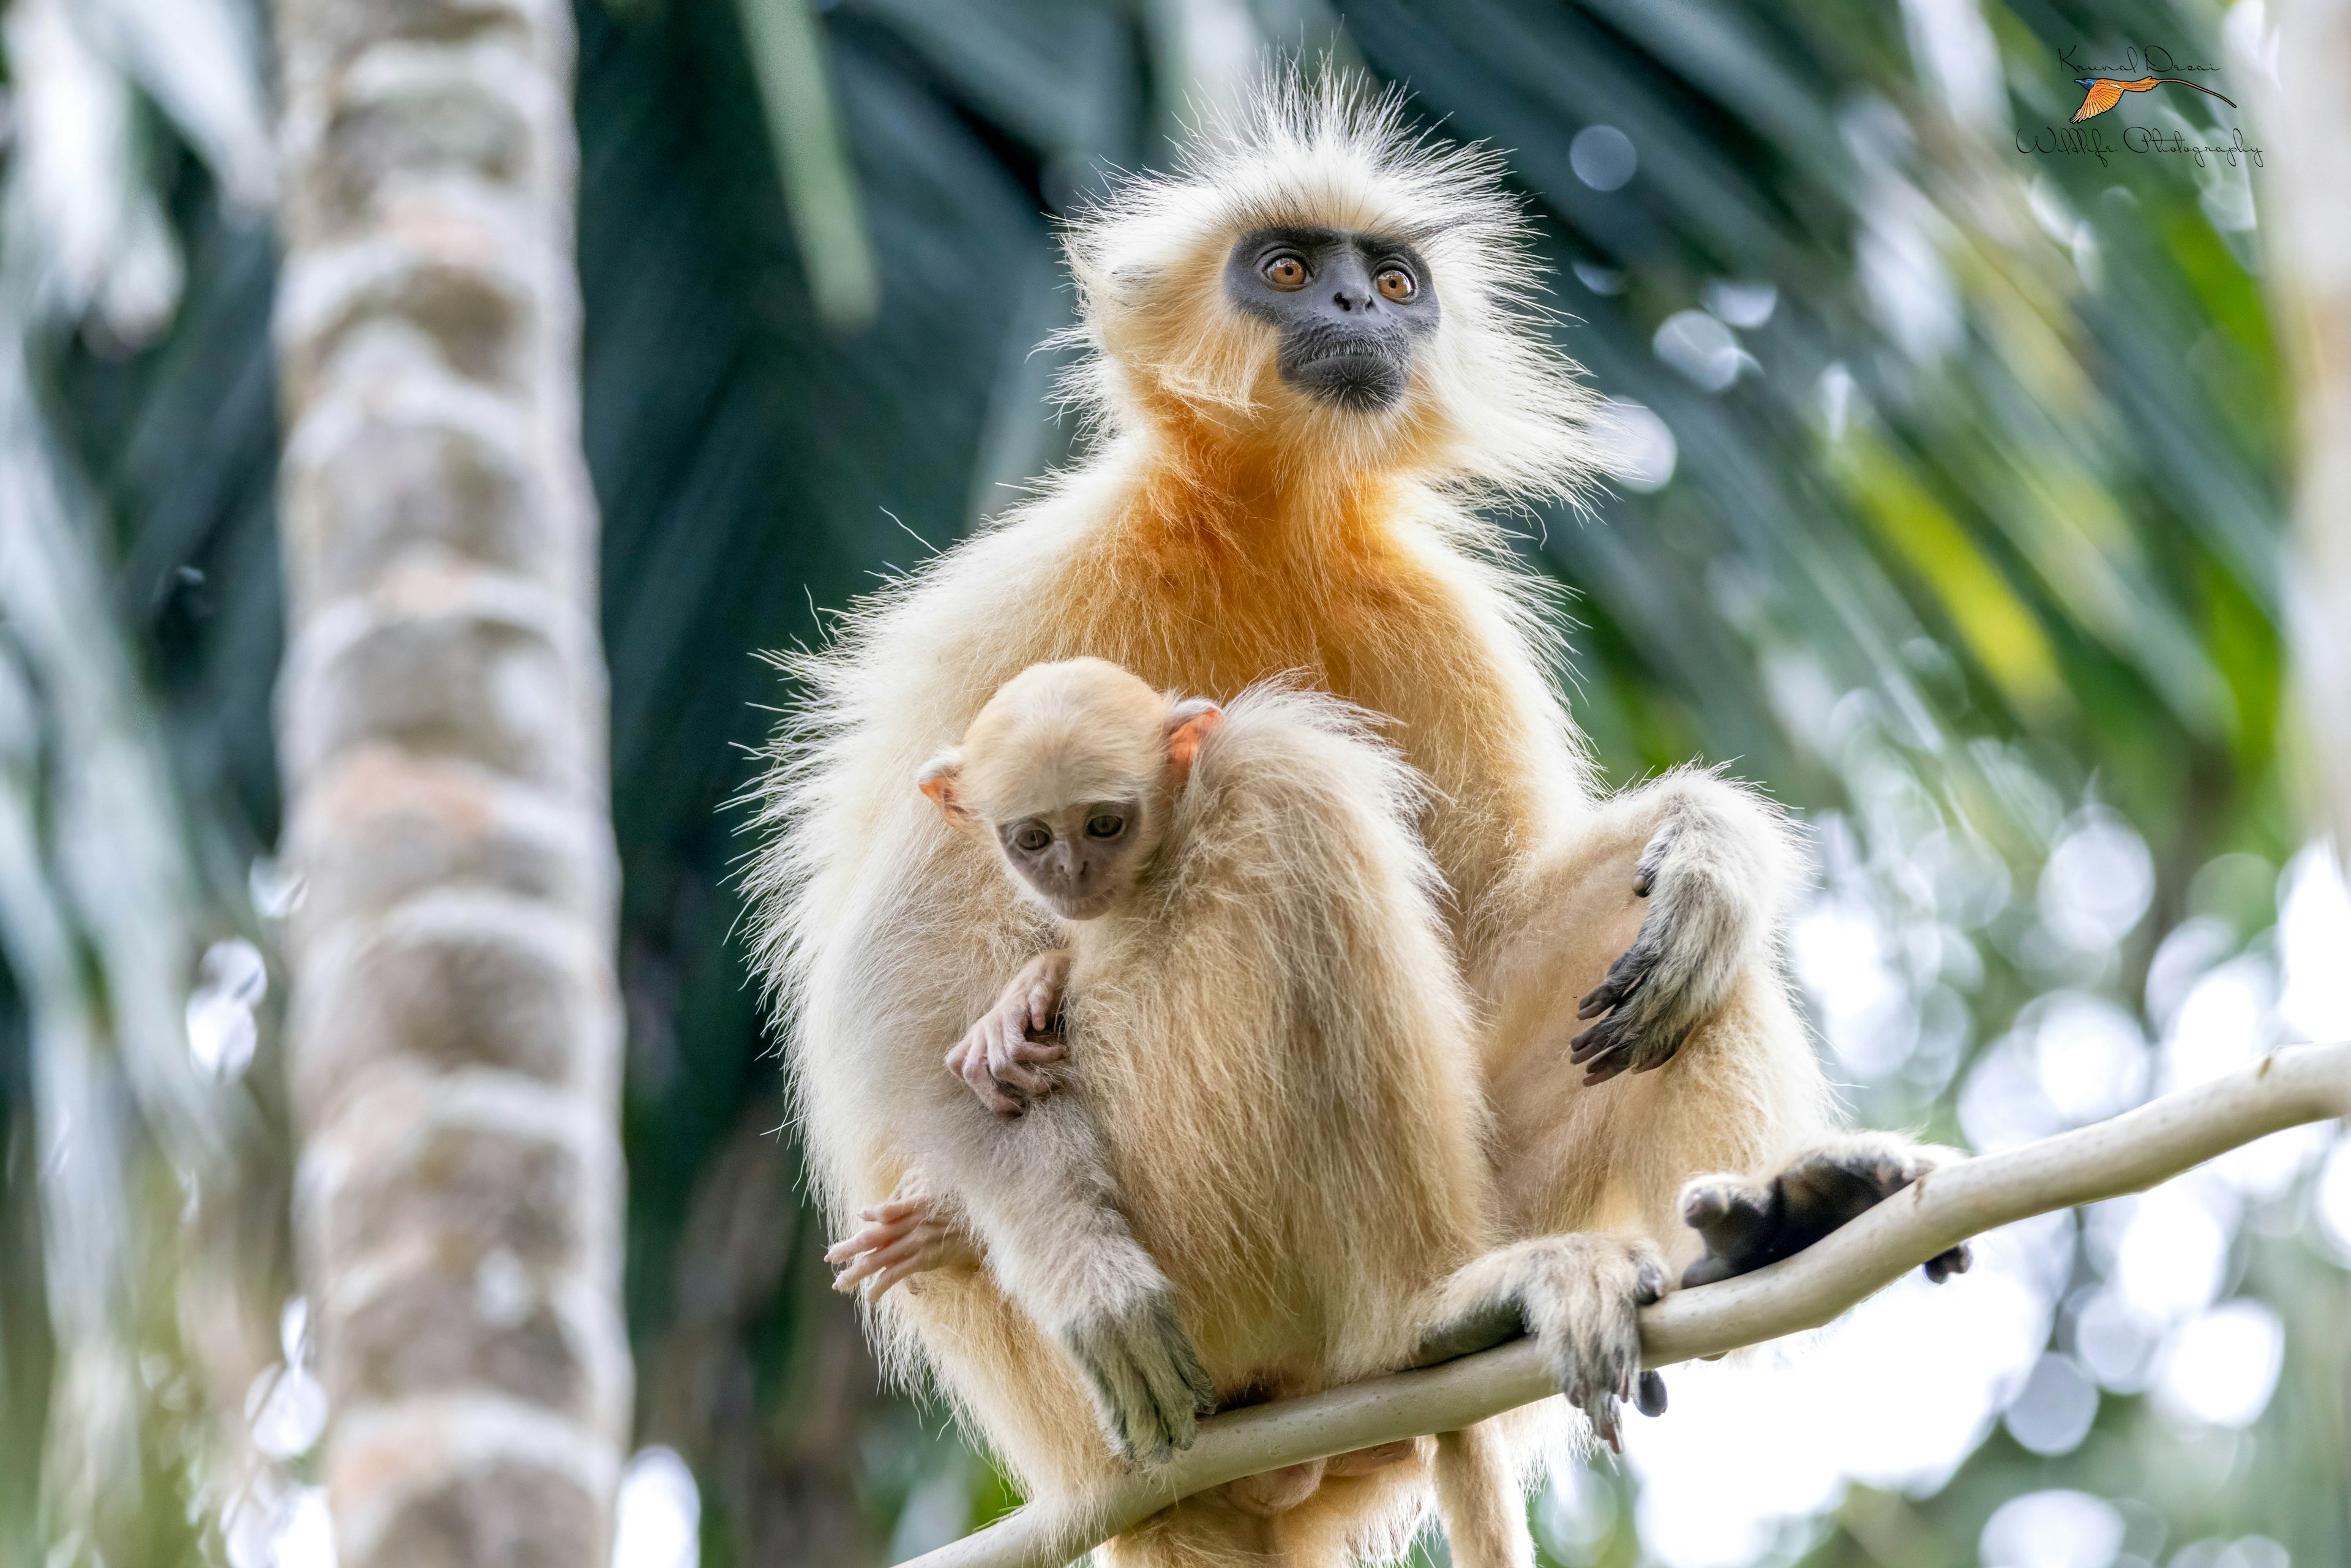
pixel 941 779
pixel 1189 723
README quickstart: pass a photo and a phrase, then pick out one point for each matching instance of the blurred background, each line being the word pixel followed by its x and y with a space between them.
pixel 1950 500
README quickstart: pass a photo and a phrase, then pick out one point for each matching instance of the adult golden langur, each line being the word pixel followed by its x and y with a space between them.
pixel 1315 357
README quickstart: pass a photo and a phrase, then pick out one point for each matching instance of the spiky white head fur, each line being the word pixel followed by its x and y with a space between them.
pixel 1492 407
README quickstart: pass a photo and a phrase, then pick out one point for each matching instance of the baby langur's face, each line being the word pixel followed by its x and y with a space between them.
pixel 1079 859
pixel 1351 308
pixel 1081 727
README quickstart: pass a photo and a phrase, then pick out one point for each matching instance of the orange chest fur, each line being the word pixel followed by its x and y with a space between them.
pixel 1210 608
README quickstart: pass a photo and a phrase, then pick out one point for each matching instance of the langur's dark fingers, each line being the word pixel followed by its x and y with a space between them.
pixel 1601 1037
pixel 1705 1271
pixel 1596 1001
pixel 1651 1400
pixel 1725 1213
pixel 1481 1329
pixel 1705 1205
pixel 1644 877
pixel 1173 1400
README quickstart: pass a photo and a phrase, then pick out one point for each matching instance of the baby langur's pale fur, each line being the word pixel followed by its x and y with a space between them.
pixel 1229 524
pixel 1263 1018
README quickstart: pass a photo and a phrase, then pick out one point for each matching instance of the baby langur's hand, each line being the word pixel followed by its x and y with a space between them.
pixel 997 1057
pixel 902 1238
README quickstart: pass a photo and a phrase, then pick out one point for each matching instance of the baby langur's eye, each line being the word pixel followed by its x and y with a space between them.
pixel 1396 284
pixel 1032 839
pixel 1105 825
pixel 1285 271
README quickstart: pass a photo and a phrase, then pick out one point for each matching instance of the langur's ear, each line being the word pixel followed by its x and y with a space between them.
pixel 1189 723
pixel 941 779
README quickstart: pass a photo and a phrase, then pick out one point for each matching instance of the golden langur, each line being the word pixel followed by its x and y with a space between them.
pixel 1315 356
pixel 1262 1017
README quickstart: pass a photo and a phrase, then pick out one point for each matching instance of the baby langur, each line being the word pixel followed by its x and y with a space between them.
pixel 1262 1017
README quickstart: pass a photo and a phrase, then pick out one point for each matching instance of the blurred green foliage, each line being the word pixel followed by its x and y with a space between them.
pixel 1981 525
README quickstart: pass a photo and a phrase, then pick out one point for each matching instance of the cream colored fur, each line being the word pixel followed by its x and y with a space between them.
pixel 1224 529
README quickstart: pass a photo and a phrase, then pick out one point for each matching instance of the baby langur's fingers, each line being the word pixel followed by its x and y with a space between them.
pixel 843 1251
pixel 865 1264
pixel 1027 1049
pixel 876 1234
pixel 909 1246
pixel 897 1273
pixel 1005 1065
pixel 1026 1079
pixel 890 1211
pixel 984 1084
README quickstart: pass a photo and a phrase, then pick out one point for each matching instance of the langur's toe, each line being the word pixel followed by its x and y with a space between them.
pixel 1956 1261
pixel 1704 1205
pixel 1651 1400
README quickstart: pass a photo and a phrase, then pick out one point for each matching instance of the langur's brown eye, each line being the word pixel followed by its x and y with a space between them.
pixel 1396 284
pixel 1285 271
pixel 1032 839
pixel 1106 826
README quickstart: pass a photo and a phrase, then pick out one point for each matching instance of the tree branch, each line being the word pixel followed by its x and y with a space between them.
pixel 2131 1152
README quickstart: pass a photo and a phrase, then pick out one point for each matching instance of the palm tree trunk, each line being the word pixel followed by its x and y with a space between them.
pixel 2311 227
pixel 455 1029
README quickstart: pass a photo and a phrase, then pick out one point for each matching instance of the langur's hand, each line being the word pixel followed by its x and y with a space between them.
pixel 1708 874
pixel 1747 1224
pixel 902 1238
pixel 1580 1295
pixel 1000 1056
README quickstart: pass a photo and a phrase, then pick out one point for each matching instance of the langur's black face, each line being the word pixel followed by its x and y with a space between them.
pixel 1081 858
pixel 1351 308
